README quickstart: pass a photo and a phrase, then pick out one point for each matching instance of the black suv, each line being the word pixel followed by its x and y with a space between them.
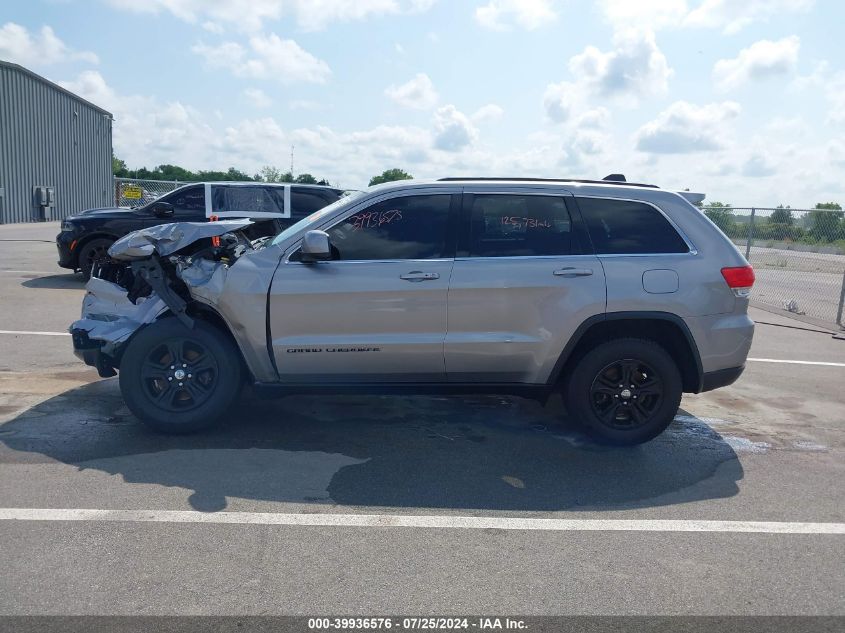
pixel 86 237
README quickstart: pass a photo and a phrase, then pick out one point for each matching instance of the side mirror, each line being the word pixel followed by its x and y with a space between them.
pixel 162 209
pixel 316 247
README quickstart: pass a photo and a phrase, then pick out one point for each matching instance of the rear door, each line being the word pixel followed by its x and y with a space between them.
pixel 524 279
pixel 377 311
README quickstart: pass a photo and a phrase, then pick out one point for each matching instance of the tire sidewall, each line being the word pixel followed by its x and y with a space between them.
pixel 225 392
pixel 83 254
pixel 588 367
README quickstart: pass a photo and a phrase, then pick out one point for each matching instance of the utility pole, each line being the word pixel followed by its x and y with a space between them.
pixel 291 160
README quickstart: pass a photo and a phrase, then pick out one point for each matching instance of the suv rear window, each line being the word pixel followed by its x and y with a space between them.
pixel 408 227
pixel 248 199
pixel 624 227
pixel 510 225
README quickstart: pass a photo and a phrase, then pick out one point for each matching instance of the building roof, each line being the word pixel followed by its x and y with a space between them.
pixel 54 86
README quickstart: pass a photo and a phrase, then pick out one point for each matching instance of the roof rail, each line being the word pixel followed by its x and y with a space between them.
pixel 605 181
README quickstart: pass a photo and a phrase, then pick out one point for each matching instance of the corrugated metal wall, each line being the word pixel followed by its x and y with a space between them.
pixel 48 137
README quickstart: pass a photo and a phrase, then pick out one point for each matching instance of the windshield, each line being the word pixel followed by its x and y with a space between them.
pixel 293 229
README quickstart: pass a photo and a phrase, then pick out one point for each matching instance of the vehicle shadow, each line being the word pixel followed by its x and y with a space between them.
pixel 57 282
pixel 479 452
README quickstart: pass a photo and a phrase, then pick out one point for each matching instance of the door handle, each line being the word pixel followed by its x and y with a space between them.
pixel 574 272
pixel 418 275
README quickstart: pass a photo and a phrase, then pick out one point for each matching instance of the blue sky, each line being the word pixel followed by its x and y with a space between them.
pixel 742 100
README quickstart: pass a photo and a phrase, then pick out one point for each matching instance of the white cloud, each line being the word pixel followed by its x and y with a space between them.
pixel 761 60
pixel 733 15
pixel 18 45
pixel 635 67
pixel 686 128
pixel 453 129
pixel 758 166
pixel 487 113
pixel 181 135
pixel 829 83
pixel 271 57
pixel 212 27
pixel 418 93
pixel 596 118
pixel 251 15
pixel 559 99
pixel 258 97
pixel 501 15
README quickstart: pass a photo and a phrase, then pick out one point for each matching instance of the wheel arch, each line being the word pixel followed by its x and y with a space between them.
pixel 86 239
pixel 665 328
pixel 205 312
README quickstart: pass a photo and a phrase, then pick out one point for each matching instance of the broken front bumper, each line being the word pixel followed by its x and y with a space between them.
pixel 108 321
pixel 90 352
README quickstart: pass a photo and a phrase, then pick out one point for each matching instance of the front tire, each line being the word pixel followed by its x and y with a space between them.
pixel 180 380
pixel 94 251
pixel 625 392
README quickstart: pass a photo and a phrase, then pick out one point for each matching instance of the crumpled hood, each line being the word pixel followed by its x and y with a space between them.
pixel 166 239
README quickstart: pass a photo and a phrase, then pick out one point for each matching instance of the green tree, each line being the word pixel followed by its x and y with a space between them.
pixel 782 215
pixel 269 173
pixel 390 175
pixel 721 215
pixel 306 179
pixel 118 167
pixel 826 222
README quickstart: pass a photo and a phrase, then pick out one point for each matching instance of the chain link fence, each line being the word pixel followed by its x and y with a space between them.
pixel 133 192
pixel 798 257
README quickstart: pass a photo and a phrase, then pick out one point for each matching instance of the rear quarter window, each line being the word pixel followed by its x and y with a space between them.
pixel 624 227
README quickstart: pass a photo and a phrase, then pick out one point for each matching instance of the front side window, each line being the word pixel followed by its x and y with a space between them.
pixel 187 202
pixel 623 227
pixel 408 227
pixel 248 199
pixel 512 225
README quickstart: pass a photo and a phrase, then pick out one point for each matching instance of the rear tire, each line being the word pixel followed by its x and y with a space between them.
pixel 624 392
pixel 92 252
pixel 180 380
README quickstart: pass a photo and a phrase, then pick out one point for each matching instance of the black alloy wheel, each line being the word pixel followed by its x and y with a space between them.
pixel 626 393
pixel 179 374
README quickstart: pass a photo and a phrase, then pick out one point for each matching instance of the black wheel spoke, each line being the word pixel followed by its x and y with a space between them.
pixel 179 374
pixel 174 349
pixel 626 393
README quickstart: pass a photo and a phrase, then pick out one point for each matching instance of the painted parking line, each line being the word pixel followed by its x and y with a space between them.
pixel 417 521
pixel 33 333
pixel 795 362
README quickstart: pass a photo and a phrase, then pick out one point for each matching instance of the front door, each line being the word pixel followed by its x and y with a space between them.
pixel 525 278
pixel 377 311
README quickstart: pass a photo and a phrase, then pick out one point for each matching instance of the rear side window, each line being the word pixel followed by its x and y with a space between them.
pixel 408 227
pixel 622 227
pixel 305 201
pixel 510 225
pixel 247 199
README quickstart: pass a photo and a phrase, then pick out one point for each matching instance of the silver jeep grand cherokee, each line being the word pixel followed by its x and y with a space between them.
pixel 620 296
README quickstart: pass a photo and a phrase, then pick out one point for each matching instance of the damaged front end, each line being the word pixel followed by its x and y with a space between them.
pixel 153 272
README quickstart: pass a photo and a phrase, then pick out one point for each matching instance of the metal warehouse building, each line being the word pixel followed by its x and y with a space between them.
pixel 55 149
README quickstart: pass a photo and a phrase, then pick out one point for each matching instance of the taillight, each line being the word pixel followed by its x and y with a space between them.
pixel 739 279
